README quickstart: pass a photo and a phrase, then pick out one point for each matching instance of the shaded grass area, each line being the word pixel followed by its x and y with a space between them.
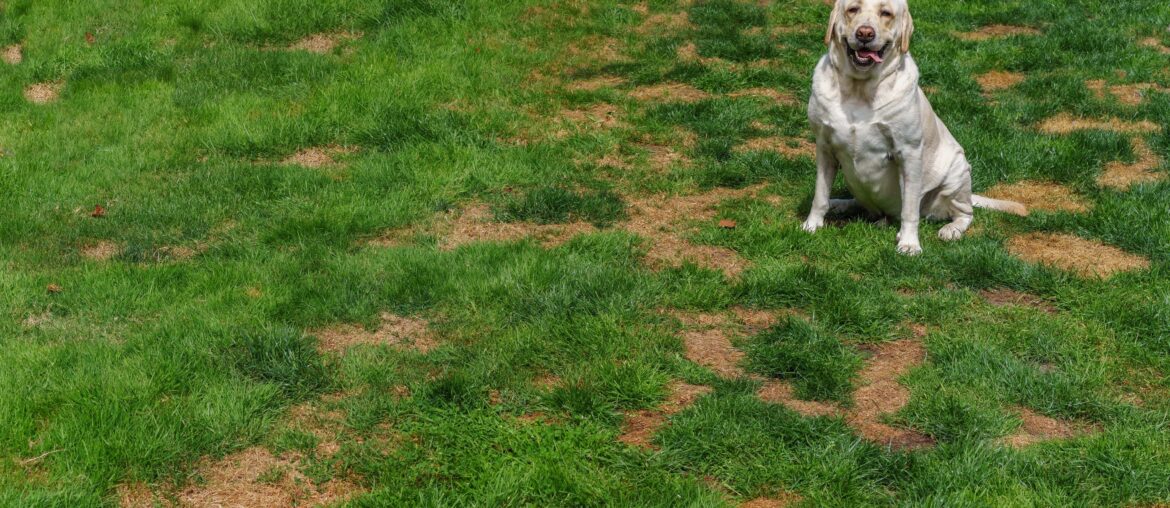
pixel 175 117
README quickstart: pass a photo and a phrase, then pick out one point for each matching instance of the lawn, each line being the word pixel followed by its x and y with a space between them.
pixel 548 253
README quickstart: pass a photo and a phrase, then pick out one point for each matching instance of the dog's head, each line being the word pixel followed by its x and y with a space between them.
pixel 870 31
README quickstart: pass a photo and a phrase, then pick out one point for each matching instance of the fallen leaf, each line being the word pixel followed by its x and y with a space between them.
pixel 53 288
pixel 90 39
pixel 98 212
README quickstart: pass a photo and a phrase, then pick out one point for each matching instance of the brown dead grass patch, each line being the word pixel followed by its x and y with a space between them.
pixel 780 392
pixel 657 24
pixel 594 50
pixel 881 394
pixel 1085 258
pixel 1038 428
pixel 596 83
pixel 318 157
pixel 995 81
pixel 996 32
pixel 712 348
pixel 1156 44
pixel 476 224
pixel 12 55
pixel 1121 176
pixel 44 93
pixel 104 250
pixel 781 500
pixel 1132 94
pixel 689 53
pixel 1002 297
pixel 669 92
pixel 244 480
pixel 640 426
pixel 396 331
pixel 788 147
pixel 662 220
pixel 776 96
pixel 1067 124
pixel 324 43
pixel 137 495
pixel 1043 196
pixel 596 117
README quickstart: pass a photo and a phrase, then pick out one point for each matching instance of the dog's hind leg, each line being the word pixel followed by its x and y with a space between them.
pixel 958 206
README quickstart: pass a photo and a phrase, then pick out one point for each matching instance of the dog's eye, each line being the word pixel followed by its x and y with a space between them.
pixel 887 14
pixel 854 10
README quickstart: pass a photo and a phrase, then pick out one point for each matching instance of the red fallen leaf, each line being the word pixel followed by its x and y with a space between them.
pixel 89 38
pixel 728 224
pixel 98 212
pixel 53 288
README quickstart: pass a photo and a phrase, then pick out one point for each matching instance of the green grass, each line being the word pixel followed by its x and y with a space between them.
pixel 175 117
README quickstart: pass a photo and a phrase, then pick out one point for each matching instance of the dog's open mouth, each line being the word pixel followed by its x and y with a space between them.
pixel 867 57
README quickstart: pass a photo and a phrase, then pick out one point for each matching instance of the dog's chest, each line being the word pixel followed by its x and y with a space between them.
pixel 869 163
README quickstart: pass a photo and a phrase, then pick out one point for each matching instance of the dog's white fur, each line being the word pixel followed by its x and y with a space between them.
pixel 876 126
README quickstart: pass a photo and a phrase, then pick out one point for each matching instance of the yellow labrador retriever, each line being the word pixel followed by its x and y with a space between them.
pixel 874 124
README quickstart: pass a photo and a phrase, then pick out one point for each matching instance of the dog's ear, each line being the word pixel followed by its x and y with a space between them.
pixel 834 18
pixel 907 31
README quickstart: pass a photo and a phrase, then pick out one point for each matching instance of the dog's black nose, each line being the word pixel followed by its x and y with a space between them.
pixel 866 34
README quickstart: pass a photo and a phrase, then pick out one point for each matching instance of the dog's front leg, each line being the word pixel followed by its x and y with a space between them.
pixel 826 174
pixel 908 242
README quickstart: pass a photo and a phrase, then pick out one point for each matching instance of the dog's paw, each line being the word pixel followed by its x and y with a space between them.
pixel 950 233
pixel 909 248
pixel 812 225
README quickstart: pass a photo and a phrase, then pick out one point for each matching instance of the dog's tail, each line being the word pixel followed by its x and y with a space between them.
pixel 1011 207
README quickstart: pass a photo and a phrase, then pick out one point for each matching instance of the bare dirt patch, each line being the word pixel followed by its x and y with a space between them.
pixel 1038 428
pixel 1156 44
pixel 776 96
pixel 324 43
pixel 1043 196
pixel 1132 94
pixel 669 92
pixel 882 394
pixel 318 157
pixel 1067 124
pixel 995 81
pixel 788 147
pixel 1085 258
pixel 596 83
pixel 1122 176
pixel 1002 297
pixel 104 250
pixel 12 55
pixel 996 32
pixel 256 478
pixel 396 331
pixel 640 426
pixel 43 93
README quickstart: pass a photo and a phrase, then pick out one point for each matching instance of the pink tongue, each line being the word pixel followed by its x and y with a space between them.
pixel 872 55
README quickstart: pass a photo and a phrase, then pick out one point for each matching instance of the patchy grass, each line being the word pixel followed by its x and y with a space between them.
pixel 416 252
